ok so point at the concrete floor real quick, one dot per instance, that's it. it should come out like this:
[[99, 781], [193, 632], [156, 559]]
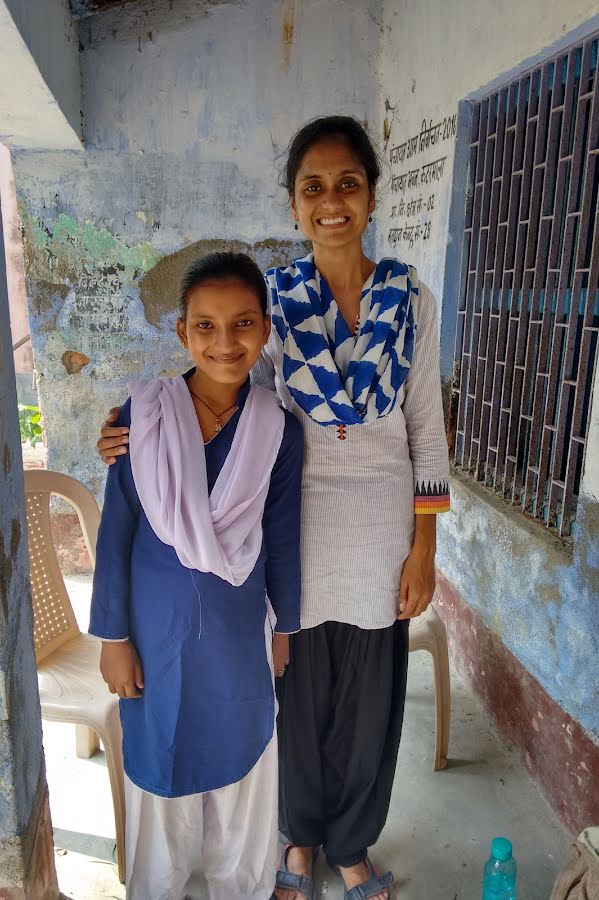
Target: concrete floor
[[437, 835]]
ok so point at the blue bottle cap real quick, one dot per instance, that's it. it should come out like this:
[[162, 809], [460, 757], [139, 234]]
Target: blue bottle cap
[[501, 849]]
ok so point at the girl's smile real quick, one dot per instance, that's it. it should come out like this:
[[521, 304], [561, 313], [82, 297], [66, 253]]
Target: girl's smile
[[224, 331]]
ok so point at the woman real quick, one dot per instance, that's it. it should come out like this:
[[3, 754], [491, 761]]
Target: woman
[[354, 354]]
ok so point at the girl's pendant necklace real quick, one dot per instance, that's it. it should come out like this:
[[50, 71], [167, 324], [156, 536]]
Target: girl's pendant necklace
[[218, 416]]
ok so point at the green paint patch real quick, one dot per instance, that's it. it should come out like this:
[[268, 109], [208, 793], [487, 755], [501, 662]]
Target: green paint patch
[[65, 227], [65, 250]]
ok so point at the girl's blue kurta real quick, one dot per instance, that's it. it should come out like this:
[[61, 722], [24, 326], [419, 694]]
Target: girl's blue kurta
[[207, 710]]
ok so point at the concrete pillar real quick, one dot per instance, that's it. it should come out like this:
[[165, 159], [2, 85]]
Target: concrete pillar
[[27, 870]]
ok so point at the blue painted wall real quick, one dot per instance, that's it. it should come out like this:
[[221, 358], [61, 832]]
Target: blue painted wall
[[187, 108]]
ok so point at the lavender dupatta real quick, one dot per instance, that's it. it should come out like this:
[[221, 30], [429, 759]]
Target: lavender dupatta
[[221, 532]]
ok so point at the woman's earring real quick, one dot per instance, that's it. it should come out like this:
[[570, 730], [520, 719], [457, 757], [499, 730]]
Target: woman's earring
[[370, 218], [296, 226]]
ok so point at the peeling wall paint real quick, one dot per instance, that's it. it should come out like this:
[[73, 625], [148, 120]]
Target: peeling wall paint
[[541, 599], [183, 126], [103, 313]]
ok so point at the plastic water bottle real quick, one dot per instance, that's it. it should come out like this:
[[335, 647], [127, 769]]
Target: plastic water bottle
[[499, 878]]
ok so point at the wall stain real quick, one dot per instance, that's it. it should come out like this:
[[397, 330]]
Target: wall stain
[[7, 562], [6, 459], [159, 287], [288, 33], [44, 296], [549, 593], [552, 635]]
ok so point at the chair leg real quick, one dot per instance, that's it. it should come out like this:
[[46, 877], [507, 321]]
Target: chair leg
[[112, 740], [442, 694], [86, 742]]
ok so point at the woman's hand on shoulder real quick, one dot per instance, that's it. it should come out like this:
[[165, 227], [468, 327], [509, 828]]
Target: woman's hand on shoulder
[[114, 440]]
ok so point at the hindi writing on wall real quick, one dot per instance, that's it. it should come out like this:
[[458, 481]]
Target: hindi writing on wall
[[415, 186]]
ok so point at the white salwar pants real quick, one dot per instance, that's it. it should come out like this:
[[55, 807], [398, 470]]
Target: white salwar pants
[[230, 834]]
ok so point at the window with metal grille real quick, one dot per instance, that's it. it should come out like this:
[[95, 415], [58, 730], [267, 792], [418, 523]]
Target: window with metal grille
[[528, 312]]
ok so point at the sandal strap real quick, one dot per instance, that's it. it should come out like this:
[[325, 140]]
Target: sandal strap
[[302, 883], [286, 879], [370, 888]]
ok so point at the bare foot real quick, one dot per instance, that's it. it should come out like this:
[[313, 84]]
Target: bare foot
[[358, 874], [299, 862]]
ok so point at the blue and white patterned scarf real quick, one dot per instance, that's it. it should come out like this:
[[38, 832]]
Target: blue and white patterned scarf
[[336, 377]]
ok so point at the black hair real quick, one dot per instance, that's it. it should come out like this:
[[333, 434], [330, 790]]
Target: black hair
[[222, 266], [345, 127]]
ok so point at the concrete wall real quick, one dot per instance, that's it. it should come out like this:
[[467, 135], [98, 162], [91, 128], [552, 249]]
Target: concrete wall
[[40, 80], [186, 107], [539, 598], [26, 853]]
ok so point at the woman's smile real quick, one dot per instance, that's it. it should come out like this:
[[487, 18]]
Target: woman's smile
[[333, 221]]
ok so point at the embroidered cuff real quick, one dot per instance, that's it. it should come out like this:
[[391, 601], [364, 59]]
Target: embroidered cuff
[[431, 497]]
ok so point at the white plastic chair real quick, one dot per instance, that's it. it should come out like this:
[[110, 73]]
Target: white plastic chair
[[427, 632], [68, 662]]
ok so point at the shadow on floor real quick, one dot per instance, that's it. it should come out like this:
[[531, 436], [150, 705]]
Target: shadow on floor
[[86, 844]]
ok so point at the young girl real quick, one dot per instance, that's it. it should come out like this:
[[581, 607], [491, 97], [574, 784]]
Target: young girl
[[200, 522], [355, 356]]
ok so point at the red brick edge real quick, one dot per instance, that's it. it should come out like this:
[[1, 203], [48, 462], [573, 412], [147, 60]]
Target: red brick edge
[[560, 756]]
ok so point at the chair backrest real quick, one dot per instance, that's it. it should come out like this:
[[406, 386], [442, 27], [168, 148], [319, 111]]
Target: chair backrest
[[54, 622]]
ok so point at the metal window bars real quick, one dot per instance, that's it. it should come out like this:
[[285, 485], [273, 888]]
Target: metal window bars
[[528, 315]]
